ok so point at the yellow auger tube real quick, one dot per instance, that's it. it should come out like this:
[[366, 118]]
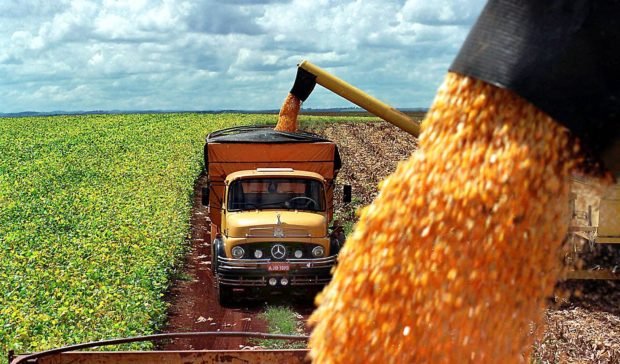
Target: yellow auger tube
[[362, 99]]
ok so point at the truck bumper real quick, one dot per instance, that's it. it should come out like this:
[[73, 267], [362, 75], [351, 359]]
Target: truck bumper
[[256, 273]]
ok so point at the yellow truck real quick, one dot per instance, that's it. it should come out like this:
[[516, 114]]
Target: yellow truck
[[270, 201]]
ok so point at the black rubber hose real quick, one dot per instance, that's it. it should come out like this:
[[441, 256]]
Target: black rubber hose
[[95, 344]]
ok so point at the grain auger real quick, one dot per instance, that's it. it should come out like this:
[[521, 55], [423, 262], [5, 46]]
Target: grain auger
[[308, 75]]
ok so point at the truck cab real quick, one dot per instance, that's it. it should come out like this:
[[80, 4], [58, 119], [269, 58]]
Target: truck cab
[[270, 199]]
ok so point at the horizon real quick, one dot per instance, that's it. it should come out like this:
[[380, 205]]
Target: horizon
[[343, 110]]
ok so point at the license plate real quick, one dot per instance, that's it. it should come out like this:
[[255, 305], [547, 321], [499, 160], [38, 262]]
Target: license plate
[[278, 267]]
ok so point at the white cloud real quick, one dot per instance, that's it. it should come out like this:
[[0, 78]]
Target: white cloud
[[450, 12], [96, 59], [211, 54]]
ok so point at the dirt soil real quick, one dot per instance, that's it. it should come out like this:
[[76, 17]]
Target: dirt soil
[[582, 329]]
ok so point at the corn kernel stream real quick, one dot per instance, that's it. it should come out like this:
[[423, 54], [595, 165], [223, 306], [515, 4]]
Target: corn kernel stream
[[454, 259], [287, 120]]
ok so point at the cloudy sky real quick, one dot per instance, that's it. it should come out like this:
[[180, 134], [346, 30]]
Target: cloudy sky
[[211, 55]]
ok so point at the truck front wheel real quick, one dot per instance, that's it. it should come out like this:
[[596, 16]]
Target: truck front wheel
[[224, 295]]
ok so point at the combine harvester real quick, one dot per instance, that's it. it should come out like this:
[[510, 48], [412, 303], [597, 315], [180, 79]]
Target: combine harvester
[[259, 247]]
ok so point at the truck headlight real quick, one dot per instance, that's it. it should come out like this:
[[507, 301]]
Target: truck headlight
[[238, 252], [298, 254], [258, 254], [318, 251]]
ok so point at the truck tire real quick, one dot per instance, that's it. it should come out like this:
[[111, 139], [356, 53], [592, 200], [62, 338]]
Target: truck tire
[[215, 249], [224, 295], [334, 245]]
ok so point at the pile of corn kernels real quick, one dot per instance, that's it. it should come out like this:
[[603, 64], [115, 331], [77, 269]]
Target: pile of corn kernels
[[454, 260]]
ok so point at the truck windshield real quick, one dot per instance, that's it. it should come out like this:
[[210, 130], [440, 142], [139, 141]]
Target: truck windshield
[[276, 193]]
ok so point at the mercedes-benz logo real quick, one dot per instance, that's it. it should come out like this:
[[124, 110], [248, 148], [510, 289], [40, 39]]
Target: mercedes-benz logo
[[278, 251]]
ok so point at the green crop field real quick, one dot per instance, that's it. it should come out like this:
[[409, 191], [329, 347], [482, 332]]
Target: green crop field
[[94, 217]]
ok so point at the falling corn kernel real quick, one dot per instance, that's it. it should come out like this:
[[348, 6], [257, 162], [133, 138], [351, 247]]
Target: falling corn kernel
[[477, 255], [287, 119]]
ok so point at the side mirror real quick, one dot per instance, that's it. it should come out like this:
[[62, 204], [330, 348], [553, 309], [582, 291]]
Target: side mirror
[[205, 196], [346, 194]]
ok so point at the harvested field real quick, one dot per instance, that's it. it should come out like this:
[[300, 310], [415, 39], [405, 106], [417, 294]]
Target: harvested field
[[369, 151], [585, 328]]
